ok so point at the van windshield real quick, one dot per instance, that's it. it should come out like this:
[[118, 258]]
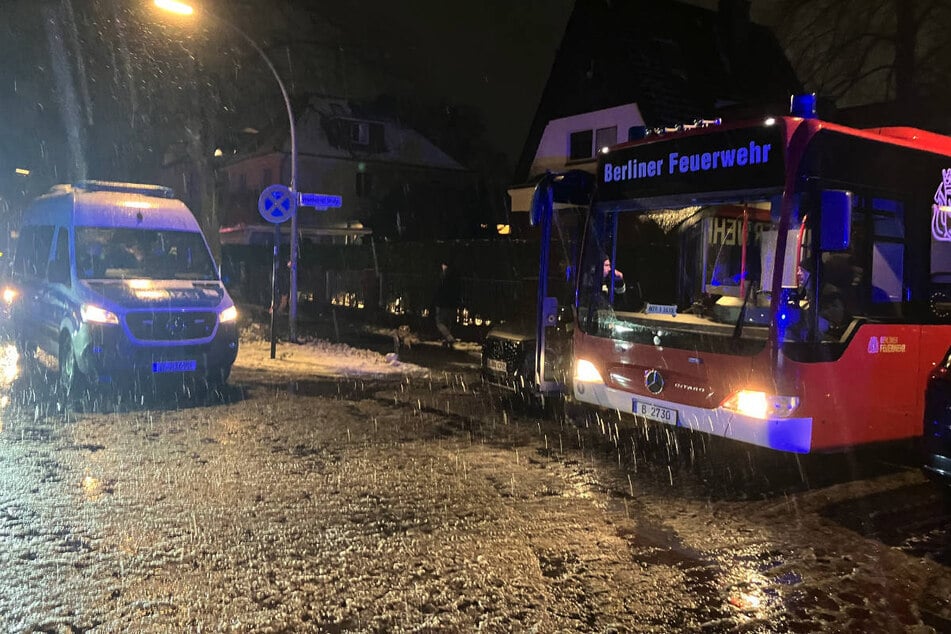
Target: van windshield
[[122, 253]]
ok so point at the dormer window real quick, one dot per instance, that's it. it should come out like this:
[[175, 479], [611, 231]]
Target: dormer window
[[360, 133], [585, 144], [605, 137], [580, 144], [355, 135]]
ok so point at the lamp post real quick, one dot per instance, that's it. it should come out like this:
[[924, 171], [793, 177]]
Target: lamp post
[[181, 8]]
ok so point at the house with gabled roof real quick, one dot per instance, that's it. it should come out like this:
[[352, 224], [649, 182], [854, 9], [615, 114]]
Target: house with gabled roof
[[643, 63], [392, 179]]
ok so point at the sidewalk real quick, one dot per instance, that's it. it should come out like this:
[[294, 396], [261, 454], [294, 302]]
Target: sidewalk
[[346, 348]]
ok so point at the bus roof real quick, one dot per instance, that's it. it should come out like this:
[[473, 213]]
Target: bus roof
[[906, 136]]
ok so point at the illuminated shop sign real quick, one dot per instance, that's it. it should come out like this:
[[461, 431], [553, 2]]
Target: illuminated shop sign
[[738, 159]]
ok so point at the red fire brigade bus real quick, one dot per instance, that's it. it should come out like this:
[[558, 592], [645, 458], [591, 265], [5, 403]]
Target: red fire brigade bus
[[784, 282]]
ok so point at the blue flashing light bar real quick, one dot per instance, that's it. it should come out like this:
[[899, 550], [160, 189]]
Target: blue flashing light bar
[[803, 106]]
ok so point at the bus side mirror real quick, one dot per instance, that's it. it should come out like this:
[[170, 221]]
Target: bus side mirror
[[836, 216], [541, 201], [573, 187]]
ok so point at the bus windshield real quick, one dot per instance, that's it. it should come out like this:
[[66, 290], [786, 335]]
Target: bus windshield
[[705, 268]]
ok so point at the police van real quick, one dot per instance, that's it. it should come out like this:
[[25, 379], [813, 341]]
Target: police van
[[116, 281]]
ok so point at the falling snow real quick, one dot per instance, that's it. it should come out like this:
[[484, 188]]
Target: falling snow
[[336, 490]]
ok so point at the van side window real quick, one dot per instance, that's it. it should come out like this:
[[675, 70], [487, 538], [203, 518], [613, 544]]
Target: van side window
[[59, 265], [33, 251]]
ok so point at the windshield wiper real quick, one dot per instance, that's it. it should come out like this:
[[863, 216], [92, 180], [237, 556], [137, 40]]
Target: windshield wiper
[[738, 328]]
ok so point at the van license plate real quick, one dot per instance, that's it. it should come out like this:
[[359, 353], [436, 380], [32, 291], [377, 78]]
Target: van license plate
[[655, 412], [496, 365], [174, 366]]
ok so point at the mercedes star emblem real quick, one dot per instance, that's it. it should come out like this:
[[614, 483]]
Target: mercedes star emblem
[[654, 382]]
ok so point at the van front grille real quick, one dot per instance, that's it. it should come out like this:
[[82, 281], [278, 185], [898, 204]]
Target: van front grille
[[171, 325]]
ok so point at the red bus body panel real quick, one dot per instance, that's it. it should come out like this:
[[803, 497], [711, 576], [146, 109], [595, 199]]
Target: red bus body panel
[[872, 393]]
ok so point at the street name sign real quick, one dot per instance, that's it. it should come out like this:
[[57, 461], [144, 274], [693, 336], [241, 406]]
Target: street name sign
[[320, 201]]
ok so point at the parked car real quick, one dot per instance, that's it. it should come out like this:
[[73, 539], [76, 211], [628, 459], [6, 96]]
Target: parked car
[[508, 355], [937, 423], [116, 281]]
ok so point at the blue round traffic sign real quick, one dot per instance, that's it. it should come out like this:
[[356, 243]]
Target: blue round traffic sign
[[277, 203]]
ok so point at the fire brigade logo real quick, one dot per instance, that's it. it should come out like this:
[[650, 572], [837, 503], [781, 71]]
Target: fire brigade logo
[[941, 211], [654, 382]]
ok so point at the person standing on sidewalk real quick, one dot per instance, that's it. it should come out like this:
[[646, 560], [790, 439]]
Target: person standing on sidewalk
[[445, 302]]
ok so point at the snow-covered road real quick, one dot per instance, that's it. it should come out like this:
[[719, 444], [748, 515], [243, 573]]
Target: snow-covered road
[[396, 498]]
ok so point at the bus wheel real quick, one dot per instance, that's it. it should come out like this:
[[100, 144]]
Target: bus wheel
[[576, 414], [71, 379]]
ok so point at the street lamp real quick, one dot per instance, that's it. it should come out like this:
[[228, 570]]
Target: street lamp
[[181, 8]]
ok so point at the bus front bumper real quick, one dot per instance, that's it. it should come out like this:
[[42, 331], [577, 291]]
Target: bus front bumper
[[782, 434]]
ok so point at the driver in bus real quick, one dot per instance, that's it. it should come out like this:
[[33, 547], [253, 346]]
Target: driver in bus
[[833, 315], [617, 281]]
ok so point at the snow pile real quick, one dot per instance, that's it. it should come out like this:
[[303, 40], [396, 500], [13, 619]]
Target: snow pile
[[320, 358]]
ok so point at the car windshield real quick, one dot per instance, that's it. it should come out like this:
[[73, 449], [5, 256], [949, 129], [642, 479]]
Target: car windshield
[[120, 253]]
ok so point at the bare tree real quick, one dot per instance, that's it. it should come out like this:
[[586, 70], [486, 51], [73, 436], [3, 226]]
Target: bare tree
[[869, 51]]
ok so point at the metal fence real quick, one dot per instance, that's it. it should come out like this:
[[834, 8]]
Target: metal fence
[[397, 281]]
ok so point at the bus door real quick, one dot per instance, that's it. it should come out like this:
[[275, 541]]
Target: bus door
[[559, 207]]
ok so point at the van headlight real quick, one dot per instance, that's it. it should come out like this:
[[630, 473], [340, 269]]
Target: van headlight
[[93, 314], [10, 295], [228, 314]]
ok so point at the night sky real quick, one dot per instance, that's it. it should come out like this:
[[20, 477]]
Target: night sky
[[493, 54]]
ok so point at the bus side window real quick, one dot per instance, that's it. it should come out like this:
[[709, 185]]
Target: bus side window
[[887, 272], [887, 255]]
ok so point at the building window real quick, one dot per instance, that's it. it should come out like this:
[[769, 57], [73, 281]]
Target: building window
[[360, 133], [579, 145], [364, 184], [605, 137]]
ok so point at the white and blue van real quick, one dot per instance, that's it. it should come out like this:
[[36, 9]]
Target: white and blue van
[[116, 281]]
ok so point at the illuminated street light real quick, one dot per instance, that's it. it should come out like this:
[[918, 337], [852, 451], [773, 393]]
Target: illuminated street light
[[22, 171], [181, 8]]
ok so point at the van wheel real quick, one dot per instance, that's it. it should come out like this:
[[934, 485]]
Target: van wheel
[[71, 379], [26, 349], [217, 376]]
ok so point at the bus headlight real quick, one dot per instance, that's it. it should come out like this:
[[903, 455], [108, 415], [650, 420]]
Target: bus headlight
[[97, 315], [586, 372], [760, 404], [228, 314]]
